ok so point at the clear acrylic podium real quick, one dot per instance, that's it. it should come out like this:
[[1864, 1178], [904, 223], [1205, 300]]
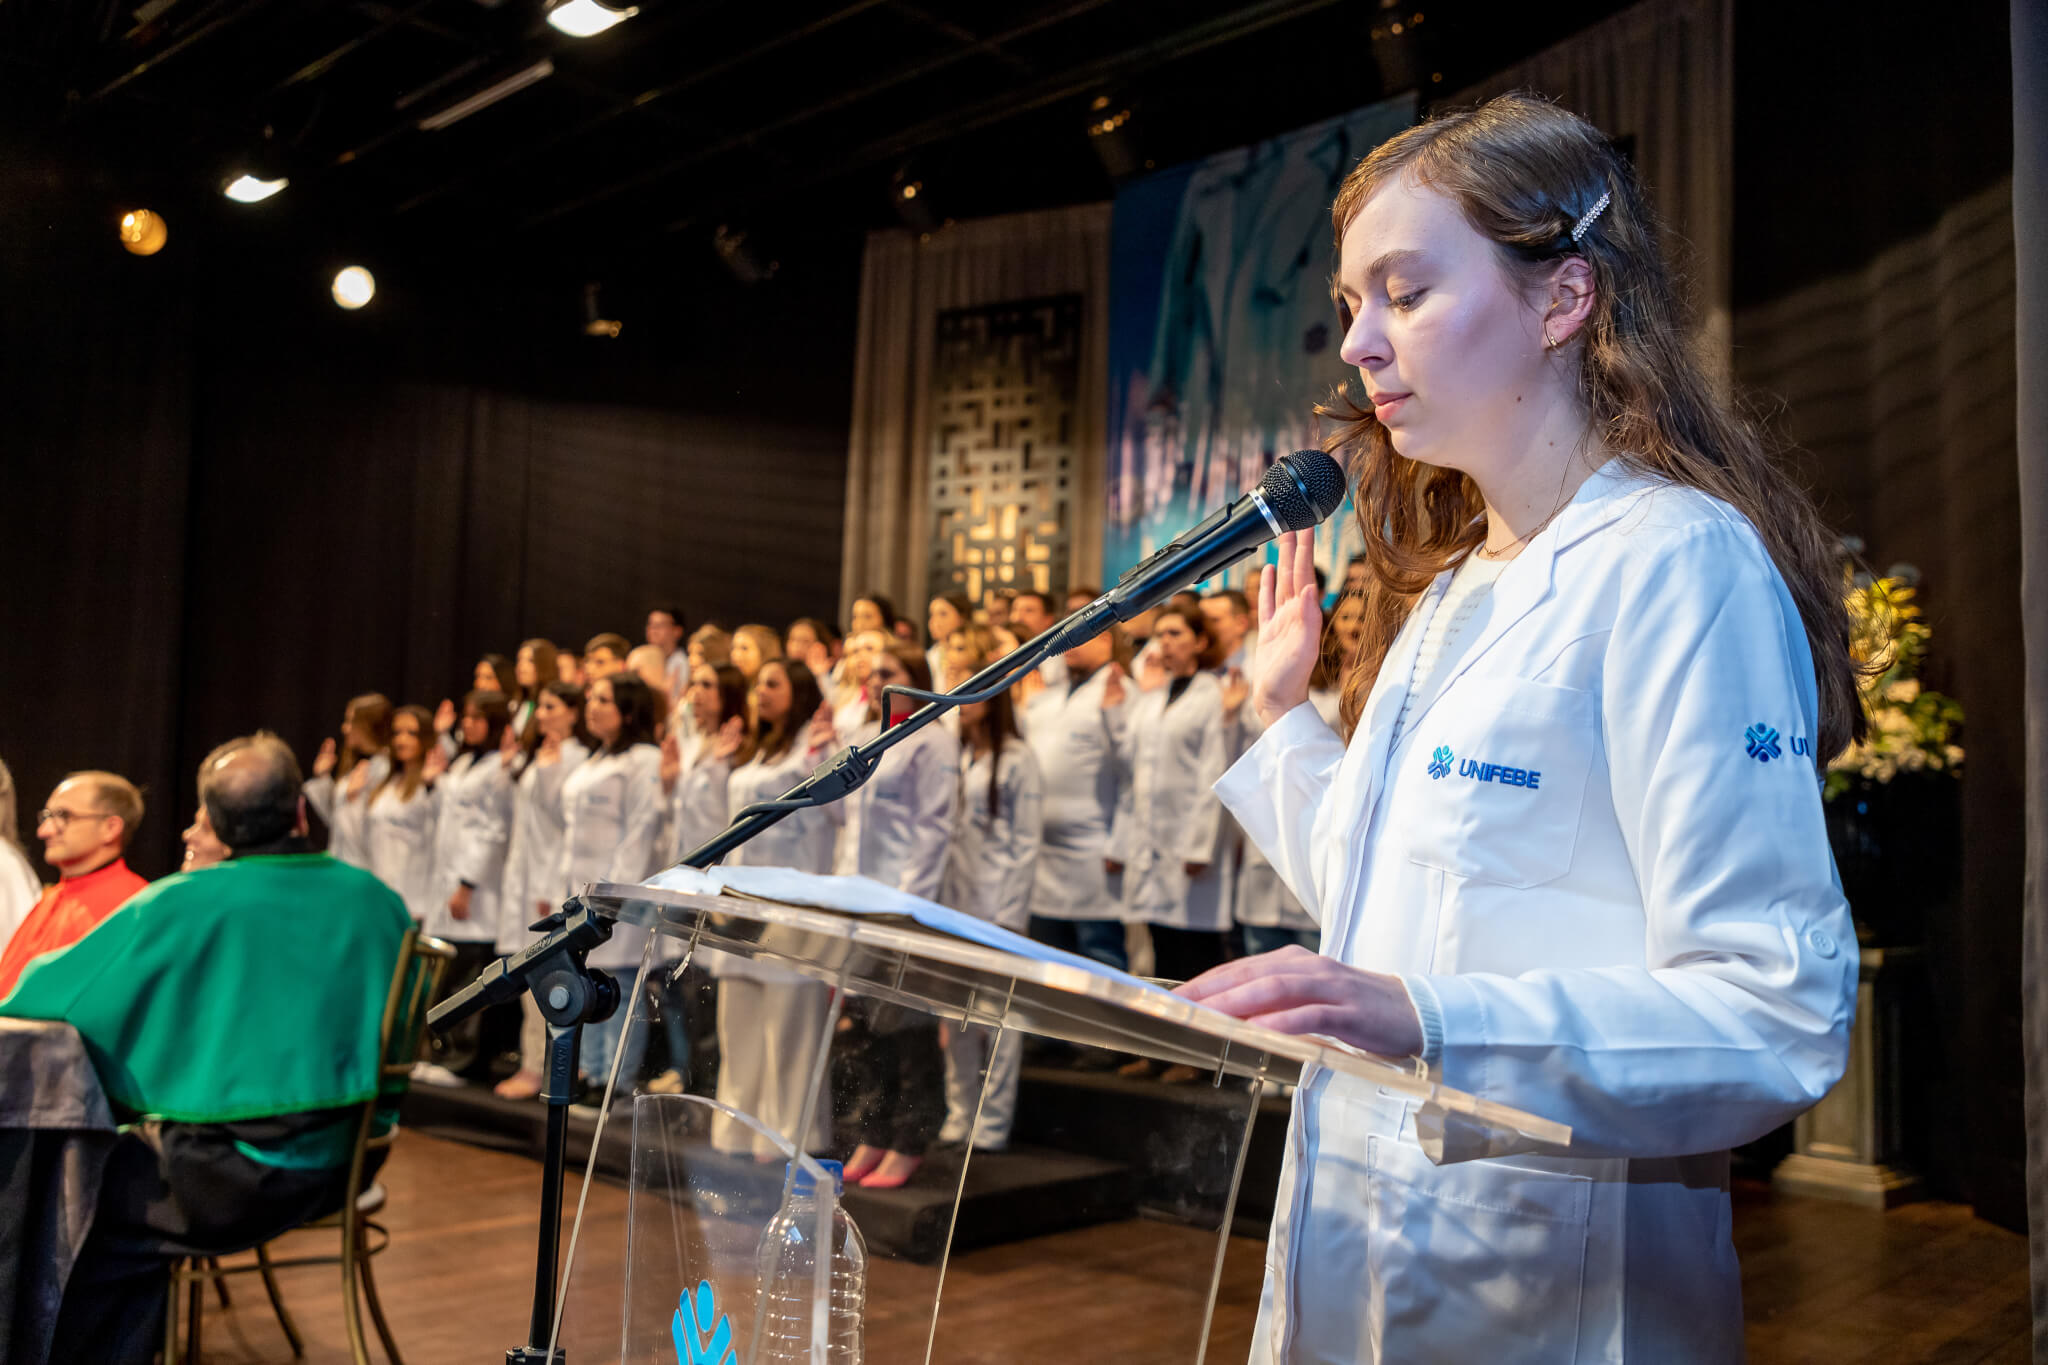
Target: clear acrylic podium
[[1101, 1231]]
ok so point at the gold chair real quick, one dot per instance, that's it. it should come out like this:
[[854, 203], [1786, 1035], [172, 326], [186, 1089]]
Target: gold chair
[[422, 962]]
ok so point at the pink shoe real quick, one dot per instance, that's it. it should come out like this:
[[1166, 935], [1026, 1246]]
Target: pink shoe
[[894, 1172], [863, 1160]]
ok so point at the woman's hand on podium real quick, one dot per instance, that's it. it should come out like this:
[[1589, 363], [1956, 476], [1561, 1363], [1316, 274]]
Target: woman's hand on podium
[[1297, 991], [1290, 628]]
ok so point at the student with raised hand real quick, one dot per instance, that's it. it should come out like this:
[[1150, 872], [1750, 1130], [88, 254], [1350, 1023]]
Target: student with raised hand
[[1173, 744], [1073, 905], [611, 824], [538, 768], [897, 826], [771, 1020], [1567, 845], [752, 646], [472, 828], [990, 865], [344, 775], [398, 823]]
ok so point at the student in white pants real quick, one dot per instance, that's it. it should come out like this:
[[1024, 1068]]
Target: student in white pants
[[771, 1021], [989, 869]]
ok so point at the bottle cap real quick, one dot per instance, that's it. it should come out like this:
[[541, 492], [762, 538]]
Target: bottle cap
[[801, 1181]]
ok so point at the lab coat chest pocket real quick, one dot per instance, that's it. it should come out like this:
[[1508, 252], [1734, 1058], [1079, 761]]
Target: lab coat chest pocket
[[1494, 786], [1454, 1251]]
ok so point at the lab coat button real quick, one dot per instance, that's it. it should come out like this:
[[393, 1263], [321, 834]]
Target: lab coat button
[[1822, 943]]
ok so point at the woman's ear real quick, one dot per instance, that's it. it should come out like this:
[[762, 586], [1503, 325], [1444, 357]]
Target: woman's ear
[[1571, 301]]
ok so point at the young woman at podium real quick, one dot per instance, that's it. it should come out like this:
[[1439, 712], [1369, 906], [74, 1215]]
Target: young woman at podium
[[1566, 845]]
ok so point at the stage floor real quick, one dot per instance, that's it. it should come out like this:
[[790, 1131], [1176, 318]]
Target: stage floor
[[1821, 1282]]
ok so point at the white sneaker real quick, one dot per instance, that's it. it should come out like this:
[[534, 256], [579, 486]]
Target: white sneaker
[[433, 1073]]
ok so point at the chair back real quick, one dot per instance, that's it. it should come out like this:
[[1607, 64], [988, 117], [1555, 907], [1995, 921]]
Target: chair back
[[415, 983]]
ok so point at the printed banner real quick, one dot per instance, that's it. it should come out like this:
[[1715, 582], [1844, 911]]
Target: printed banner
[[1222, 336]]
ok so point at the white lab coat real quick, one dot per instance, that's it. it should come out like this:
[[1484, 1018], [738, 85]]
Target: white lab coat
[[770, 1019], [611, 815], [343, 814], [1070, 736], [1262, 899], [898, 823], [535, 853], [1649, 943], [1171, 757], [20, 889], [472, 826], [994, 856], [398, 837], [699, 807]]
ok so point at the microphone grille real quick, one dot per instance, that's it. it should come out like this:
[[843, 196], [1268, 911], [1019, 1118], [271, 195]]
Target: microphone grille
[[1303, 489]]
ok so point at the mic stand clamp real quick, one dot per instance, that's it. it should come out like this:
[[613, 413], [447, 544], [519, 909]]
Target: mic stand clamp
[[570, 994]]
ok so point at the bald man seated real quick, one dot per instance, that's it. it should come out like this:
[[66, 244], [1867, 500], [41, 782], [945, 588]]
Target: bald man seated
[[232, 1014]]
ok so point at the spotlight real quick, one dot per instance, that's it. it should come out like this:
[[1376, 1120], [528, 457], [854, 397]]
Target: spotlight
[[144, 233], [588, 18], [247, 189], [354, 287], [912, 200]]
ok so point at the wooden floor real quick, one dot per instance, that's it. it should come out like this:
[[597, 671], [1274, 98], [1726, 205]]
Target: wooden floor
[[1822, 1283]]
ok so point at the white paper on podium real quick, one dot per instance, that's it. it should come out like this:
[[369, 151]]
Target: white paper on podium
[[866, 896]]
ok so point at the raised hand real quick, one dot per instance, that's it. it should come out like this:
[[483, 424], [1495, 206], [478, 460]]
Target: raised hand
[[435, 763], [1113, 685], [819, 660], [822, 734], [1235, 690], [324, 761], [1151, 671], [444, 717], [508, 747], [1290, 628], [1025, 688], [729, 736], [671, 762]]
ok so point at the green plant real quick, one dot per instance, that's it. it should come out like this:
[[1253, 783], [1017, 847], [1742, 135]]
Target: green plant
[[1911, 729]]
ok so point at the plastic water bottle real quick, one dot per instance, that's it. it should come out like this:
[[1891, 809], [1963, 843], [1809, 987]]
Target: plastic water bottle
[[788, 1265]]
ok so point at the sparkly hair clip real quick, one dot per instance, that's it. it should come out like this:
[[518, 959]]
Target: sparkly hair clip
[[1579, 228]]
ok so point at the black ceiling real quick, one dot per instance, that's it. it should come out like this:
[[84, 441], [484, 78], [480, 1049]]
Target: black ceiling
[[795, 116]]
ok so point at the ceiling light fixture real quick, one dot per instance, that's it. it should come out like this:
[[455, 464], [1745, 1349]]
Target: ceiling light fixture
[[488, 96], [588, 18], [247, 189], [354, 287], [144, 233]]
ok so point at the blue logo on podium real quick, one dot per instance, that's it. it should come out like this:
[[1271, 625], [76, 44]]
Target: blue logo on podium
[[703, 1334], [1440, 761]]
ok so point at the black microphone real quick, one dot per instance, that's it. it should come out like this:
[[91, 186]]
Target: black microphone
[[1298, 491]]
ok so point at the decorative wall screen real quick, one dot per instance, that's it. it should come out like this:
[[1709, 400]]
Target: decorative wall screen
[[1004, 383]]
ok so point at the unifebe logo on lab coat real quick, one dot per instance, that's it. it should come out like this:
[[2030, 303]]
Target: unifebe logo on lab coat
[[1506, 775]]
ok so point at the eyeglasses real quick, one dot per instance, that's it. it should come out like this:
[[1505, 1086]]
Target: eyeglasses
[[60, 817]]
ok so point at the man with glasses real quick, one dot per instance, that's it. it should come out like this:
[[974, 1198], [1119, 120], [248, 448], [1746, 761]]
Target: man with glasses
[[85, 827]]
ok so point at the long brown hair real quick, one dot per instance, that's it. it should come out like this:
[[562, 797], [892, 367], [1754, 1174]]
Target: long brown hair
[[371, 711], [999, 715], [409, 776], [1522, 171], [771, 742]]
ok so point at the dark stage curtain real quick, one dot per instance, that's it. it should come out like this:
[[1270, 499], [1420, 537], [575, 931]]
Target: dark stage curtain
[[2030, 232], [1877, 305], [234, 506]]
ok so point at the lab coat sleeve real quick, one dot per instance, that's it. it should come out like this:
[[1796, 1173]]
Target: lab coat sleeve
[[936, 797], [489, 828], [1275, 790], [1198, 841], [1738, 1017], [320, 796]]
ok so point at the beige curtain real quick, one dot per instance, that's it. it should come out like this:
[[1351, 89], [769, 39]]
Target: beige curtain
[[906, 281], [1660, 72]]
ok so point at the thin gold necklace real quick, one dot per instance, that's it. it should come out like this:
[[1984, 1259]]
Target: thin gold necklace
[[1562, 502]]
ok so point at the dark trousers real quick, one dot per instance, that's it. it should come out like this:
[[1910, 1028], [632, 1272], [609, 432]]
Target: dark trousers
[[469, 1048], [1267, 938], [1184, 954], [1101, 939], [893, 1076], [169, 1191]]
